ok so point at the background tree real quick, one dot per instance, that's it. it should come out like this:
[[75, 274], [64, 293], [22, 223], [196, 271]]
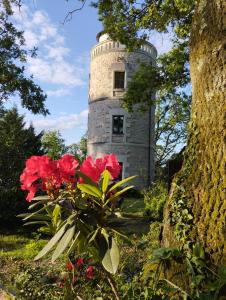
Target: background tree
[[200, 184], [17, 144], [13, 55], [79, 150], [53, 144]]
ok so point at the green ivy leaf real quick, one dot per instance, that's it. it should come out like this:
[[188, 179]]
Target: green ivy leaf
[[198, 251]]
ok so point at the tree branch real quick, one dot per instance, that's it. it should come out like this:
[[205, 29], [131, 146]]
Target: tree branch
[[68, 17]]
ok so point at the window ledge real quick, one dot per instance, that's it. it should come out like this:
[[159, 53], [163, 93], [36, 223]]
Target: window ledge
[[118, 92]]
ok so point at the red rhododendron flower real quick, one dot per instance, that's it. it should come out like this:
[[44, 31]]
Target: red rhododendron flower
[[69, 266], [51, 173], [93, 169], [80, 262], [90, 272], [67, 165]]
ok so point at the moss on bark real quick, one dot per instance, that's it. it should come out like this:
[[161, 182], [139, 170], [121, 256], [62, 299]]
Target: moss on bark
[[201, 183]]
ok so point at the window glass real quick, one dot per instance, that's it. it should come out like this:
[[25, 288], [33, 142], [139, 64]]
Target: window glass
[[119, 80], [117, 124]]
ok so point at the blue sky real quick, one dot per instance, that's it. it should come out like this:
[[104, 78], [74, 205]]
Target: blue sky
[[61, 67]]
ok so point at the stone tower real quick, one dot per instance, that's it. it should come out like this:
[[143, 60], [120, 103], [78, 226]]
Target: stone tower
[[110, 128]]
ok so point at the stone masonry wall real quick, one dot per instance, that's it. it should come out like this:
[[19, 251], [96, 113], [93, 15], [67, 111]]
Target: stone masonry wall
[[134, 148]]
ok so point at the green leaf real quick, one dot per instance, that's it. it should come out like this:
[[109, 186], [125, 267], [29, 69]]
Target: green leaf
[[41, 198], [52, 242], [106, 179], [36, 204], [86, 178], [119, 193], [122, 182], [90, 189], [93, 235], [111, 256], [35, 222], [56, 214], [198, 251], [74, 242], [64, 242], [29, 215], [35, 216]]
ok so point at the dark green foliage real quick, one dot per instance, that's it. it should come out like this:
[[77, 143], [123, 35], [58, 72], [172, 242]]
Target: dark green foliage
[[13, 55], [79, 150], [17, 144], [206, 281], [36, 282], [154, 199], [128, 20], [53, 144]]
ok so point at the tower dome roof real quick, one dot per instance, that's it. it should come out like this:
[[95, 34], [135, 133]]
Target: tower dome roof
[[102, 36]]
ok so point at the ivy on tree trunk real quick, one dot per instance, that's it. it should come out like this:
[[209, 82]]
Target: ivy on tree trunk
[[200, 186]]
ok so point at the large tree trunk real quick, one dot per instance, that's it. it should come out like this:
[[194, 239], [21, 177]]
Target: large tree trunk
[[201, 183]]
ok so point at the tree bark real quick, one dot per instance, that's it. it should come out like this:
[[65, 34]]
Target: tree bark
[[201, 183]]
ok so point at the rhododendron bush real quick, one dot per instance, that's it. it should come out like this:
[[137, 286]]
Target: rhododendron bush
[[80, 202]]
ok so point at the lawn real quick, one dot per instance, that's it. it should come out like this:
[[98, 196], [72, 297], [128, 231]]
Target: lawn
[[133, 205], [19, 247]]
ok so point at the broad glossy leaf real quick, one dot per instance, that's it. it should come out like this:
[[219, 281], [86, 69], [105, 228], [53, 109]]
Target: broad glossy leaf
[[52, 242], [56, 214], [122, 182], [90, 189], [64, 242], [119, 193], [110, 259], [105, 181]]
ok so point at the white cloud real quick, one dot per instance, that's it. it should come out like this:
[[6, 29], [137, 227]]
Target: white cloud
[[31, 38], [54, 72], [59, 92], [52, 64], [63, 123]]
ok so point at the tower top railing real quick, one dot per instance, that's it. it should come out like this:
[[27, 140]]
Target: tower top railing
[[105, 44]]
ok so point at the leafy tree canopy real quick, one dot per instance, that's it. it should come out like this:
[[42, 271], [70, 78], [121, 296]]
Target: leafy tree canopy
[[17, 144], [13, 55], [79, 150], [53, 144]]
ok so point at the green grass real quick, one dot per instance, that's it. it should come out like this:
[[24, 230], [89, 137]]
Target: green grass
[[133, 205], [134, 220], [17, 251], [19, 246]]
